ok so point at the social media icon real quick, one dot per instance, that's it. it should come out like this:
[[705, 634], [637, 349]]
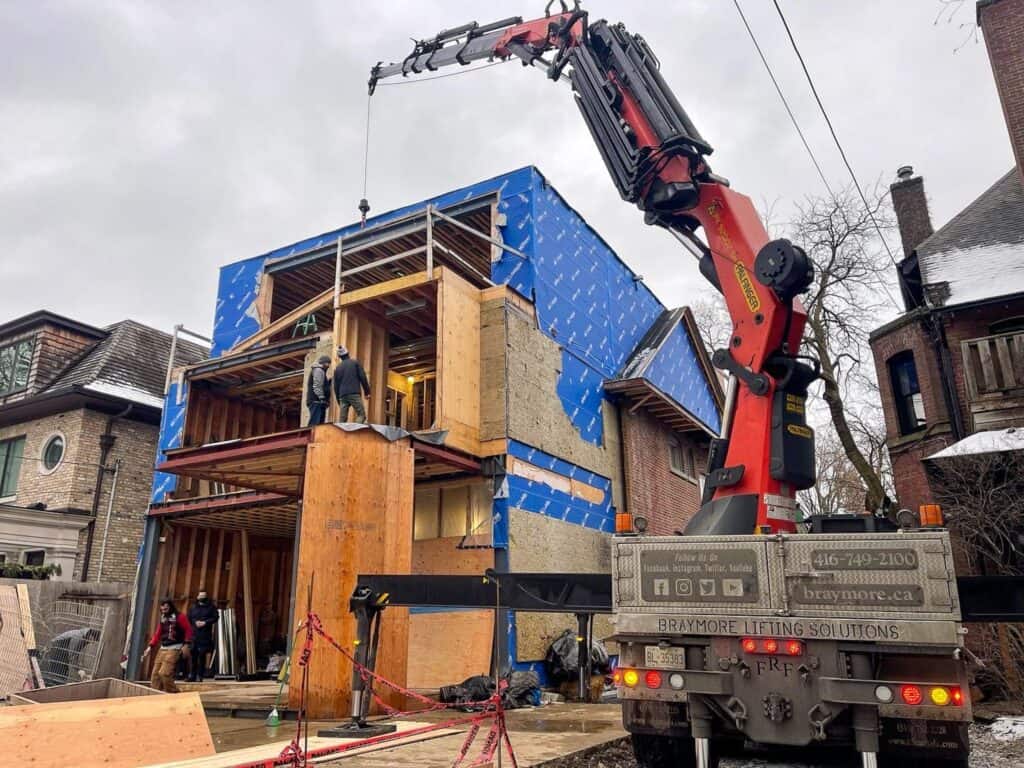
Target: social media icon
[[684, 587], [732, 587], [661, 588], [707, 587]]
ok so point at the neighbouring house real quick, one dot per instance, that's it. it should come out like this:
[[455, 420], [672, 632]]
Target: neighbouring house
[[952, 365], [526, 388], [79, 412]]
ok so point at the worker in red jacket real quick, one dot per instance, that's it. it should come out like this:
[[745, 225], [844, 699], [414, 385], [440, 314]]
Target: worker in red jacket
[[173, 634]]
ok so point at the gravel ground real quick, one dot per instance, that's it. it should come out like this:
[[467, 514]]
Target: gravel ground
[[986, 752]]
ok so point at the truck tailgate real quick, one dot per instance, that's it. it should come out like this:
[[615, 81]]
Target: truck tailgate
[[890, 588]]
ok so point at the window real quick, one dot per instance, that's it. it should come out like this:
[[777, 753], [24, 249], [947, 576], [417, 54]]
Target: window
[[681, 459], [906, 392], [453, 510], [11, 452], [15, 363], [35, 556], [53, 454]]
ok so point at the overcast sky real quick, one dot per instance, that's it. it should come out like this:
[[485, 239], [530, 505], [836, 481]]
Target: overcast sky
[[143, 145]]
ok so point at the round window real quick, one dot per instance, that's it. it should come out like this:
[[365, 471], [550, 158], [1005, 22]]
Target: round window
[[53, 452]]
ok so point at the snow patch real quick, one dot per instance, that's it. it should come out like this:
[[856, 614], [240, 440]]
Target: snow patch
[[126, 392], [989, 441], [974, 274], [1008, 729]]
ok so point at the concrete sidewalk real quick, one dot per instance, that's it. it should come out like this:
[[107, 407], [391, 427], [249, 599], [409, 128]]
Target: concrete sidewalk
[[538, 736]]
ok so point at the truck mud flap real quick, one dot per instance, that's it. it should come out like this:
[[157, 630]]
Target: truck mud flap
[[657, 718], [924, 739]]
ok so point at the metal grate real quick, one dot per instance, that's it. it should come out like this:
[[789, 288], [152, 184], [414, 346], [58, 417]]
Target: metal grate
[[71, 641]]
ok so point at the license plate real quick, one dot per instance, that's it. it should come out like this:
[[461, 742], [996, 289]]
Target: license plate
[[664, 658]]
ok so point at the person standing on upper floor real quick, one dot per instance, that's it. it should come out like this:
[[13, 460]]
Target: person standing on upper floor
[[350, 385], [203, 615], [318, 391]]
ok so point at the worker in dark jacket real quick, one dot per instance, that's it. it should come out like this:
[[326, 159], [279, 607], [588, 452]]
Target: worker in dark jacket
[[318, 391], [173, 633], [350, 384], [203, 616]]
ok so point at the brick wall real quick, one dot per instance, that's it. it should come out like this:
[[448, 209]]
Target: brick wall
[[135, 447], [70, 486], [900, 336], [1002, 23], [911, 206], [653, 490]]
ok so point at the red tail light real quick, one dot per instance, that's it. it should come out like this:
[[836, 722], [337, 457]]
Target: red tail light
[[794, 648], [652, 679], [771, 645], [617, 676], [958, 696], [911, 695], [749, 645]]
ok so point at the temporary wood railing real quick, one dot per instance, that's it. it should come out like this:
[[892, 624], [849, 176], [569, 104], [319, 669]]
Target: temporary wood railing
[[994, 375]]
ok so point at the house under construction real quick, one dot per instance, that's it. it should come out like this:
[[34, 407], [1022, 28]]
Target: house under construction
[[541, 386]]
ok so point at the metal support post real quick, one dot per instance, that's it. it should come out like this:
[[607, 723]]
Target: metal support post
[[584, 662], [143, 596], [430, 241], [865, 717]]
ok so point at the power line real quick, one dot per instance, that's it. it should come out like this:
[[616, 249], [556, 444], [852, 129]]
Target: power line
[[832, 130], [785, 103]]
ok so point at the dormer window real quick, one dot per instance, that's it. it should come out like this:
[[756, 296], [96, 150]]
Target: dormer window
[[15, 364]]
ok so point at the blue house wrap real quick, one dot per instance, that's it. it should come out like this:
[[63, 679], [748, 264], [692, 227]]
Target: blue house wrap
[[608, 323]]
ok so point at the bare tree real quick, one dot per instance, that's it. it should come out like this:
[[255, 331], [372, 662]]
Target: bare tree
[[848, 296], [713, 322], [982, 496]]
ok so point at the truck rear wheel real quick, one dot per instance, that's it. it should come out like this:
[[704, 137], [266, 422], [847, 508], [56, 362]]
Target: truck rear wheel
[[668, 752]]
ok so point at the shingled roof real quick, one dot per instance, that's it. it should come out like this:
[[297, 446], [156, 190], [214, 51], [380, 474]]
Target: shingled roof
[[130, 363], [979, 255]]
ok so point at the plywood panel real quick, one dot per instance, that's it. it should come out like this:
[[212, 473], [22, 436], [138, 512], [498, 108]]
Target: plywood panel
[[442, 556], [112, 733], [367, 342], [447, 647], [458, 362], [356, 518]]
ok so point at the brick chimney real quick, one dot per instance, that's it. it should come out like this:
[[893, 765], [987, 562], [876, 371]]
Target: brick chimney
[[911, 208], [1002, 24]]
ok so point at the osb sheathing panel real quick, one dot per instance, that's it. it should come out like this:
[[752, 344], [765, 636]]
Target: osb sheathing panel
[[493, 348], [356, 518], [447, 647], [458, 362], [535, 413], [539, 544]]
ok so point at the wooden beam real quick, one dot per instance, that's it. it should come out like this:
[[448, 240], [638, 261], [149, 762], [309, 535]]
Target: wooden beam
[[25, 607], [207, 533], [191, 557], [250, 621], [218, 565], [286, 321], [390, 286]]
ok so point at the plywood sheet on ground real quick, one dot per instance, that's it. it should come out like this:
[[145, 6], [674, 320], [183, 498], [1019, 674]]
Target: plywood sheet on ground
[[265, 751], [446, 647], [113, 733], [356, 518]]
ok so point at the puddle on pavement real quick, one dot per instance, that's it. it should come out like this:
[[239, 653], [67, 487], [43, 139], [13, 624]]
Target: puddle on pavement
[[560, 726]]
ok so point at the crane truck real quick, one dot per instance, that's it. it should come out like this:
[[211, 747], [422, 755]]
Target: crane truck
[[741, 627]]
